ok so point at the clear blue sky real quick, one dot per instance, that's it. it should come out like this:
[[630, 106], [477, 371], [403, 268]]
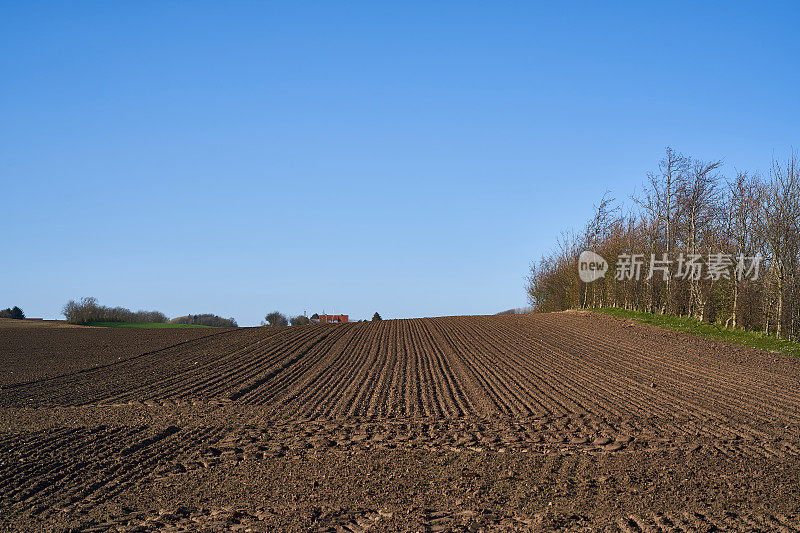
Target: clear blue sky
[[411, 159]]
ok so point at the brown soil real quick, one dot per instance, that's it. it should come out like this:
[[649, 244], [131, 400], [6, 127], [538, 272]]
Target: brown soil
[[30, 352], [15, 324], [560, 421]]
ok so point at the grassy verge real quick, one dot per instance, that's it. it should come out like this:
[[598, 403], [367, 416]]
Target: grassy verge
[[145, 325], [754, 339]]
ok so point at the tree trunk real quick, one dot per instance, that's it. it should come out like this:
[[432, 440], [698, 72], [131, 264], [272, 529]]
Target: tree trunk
[[779, 318]]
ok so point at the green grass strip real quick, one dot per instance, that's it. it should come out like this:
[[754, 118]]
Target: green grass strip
[[143, 325], [754, 339]]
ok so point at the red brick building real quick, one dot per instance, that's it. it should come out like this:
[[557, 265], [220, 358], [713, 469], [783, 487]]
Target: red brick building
[[333, 319]]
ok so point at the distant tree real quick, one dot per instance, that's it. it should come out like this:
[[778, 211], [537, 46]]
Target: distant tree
[[5, 313], [276, 318], [315, 316], [376, 317], [300, 320], [82, 312], [16, 313]]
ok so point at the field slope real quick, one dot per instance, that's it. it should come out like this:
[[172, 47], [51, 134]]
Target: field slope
[[565, 421]]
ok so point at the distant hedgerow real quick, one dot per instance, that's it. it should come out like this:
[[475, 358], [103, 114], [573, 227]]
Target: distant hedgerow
[[87, 310], [206, 319]]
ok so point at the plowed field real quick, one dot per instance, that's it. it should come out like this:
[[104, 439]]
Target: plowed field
[[551, 421]]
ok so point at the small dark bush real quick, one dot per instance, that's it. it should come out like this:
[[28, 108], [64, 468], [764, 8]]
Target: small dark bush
[[12, 312]]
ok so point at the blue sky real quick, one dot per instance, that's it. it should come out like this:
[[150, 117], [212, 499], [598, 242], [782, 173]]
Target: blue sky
[[409, 158]]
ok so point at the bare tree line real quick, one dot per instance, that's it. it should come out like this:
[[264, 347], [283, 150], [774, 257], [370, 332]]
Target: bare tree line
[[688, 214], [89, 311]]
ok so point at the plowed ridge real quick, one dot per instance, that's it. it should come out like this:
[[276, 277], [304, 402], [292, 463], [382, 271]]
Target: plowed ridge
[[449, 367]]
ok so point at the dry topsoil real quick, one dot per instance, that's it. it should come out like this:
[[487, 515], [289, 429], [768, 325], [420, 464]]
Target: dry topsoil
[[567, 421]]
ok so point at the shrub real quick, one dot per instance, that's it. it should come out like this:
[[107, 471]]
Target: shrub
[[300, 320]]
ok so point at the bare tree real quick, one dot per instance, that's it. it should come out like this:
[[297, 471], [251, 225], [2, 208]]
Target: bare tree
[[660, 201], [779, 227], [596, 233], [744, 197], [699, 200]]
